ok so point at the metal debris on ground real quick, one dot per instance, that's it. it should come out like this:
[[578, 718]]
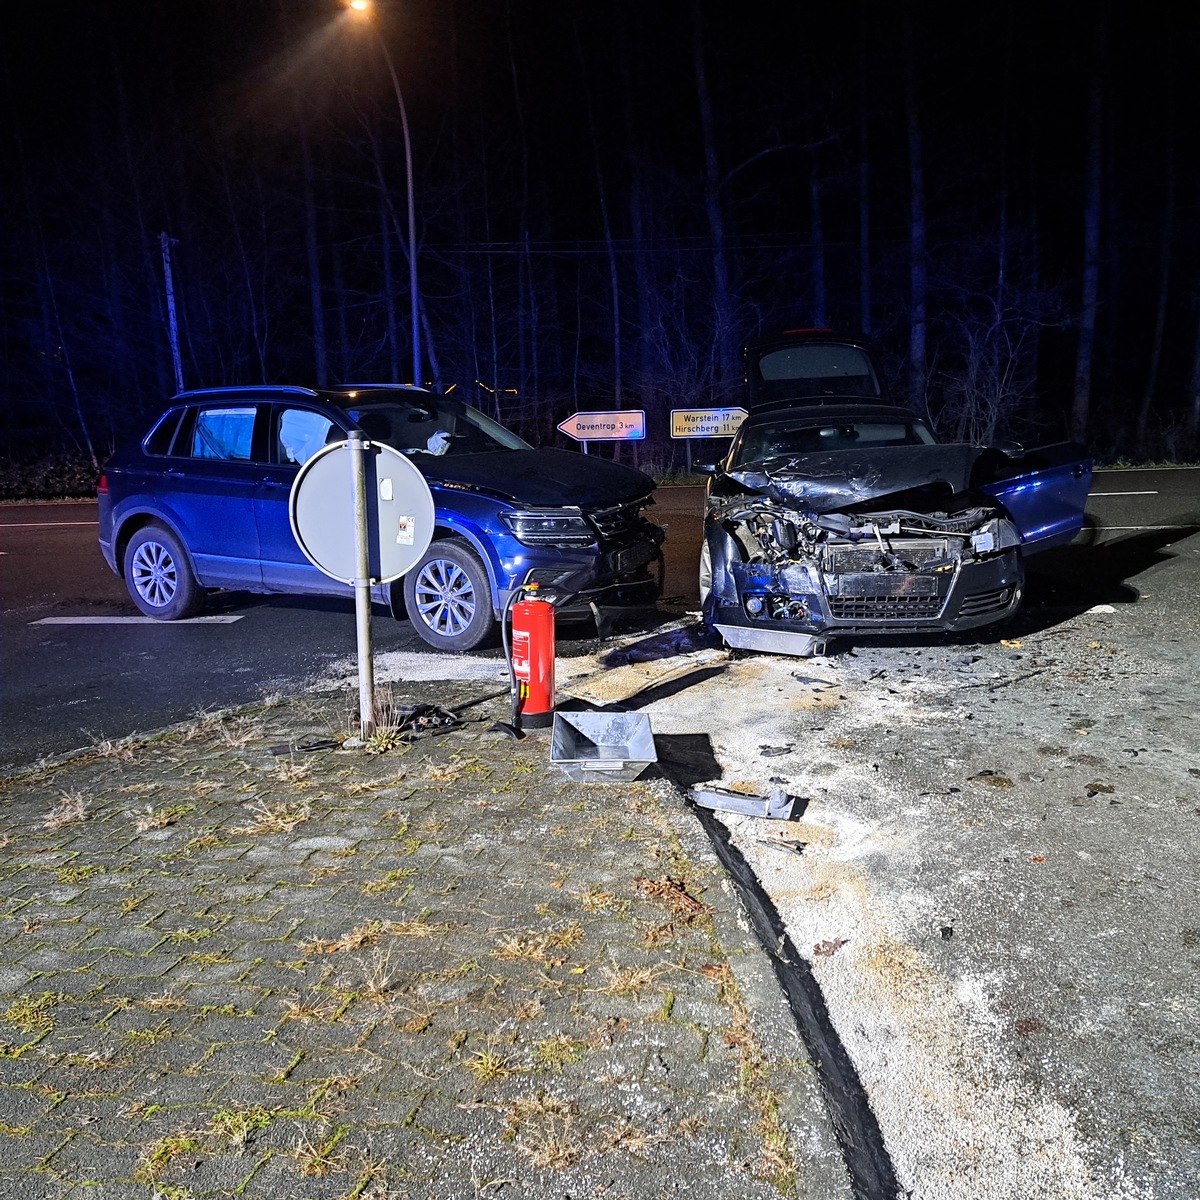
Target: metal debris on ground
[[425, 718], [306, 746], [601, 747], [775, 751], [791, 845], [776, 804]]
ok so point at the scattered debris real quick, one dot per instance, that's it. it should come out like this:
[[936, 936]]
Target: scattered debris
[[307, 746], [995, 682], [791, 845], [776, 751], [426, 718], [829, 948], [777, 803], [673, 893]]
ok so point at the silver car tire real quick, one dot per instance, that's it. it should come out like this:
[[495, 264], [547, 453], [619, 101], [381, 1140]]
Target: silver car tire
[[159, 577], [448, 597]]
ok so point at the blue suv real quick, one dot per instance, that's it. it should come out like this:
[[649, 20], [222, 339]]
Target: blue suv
[[201, 502]]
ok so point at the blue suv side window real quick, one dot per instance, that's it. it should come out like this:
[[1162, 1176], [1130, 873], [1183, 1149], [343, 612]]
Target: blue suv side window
[[223, 433], [301, 434]]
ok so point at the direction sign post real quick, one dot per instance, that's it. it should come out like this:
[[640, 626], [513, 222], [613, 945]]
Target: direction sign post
[[706, 422], [386, 493], [628, 425], [691, 423]]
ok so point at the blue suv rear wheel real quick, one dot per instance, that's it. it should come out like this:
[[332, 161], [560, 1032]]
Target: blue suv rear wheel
[[159, 576]]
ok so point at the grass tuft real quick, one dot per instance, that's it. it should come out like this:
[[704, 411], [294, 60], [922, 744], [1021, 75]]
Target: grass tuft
[[159, 818], [71, 808], [275, 818], [543, 1129]]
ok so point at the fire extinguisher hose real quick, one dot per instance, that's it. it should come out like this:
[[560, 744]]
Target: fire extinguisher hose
[[506, 639]]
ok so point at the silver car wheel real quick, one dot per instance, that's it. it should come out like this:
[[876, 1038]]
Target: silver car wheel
[[445, 597], [154, 574]]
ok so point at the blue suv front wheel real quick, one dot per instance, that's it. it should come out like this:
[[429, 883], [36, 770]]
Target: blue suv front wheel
[[449, 598]]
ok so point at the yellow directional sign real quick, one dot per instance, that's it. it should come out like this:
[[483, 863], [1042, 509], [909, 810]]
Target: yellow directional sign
[[706, 422]]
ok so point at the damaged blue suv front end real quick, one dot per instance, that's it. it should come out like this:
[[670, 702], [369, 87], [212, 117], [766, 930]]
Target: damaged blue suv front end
[[833, 516]]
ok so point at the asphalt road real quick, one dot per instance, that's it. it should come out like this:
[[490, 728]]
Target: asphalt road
[[66, 685]]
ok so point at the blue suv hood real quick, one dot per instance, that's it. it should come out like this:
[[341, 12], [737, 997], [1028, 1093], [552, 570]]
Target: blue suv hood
[[540, 477]]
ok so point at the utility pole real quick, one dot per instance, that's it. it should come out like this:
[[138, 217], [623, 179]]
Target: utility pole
[[172, 319]]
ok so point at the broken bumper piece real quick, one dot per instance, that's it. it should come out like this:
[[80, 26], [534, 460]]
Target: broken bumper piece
[[772, 641], [776, 804]]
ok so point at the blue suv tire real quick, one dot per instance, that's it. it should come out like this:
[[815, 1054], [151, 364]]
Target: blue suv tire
[[159, 575], [448, 597]]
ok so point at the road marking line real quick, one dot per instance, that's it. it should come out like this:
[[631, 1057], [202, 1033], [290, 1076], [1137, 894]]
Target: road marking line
[[1122, 493], [1102, 528], [1144, 470], [43, 524], [225, 620]]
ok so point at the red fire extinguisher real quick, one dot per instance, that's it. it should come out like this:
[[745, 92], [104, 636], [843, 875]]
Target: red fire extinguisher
[[533, 660]]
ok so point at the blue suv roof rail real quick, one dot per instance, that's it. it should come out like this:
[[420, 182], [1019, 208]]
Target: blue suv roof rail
[[394, 387], [273, 388]]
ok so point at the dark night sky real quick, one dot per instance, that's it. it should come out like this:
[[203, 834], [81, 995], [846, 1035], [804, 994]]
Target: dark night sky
[[533, 120]]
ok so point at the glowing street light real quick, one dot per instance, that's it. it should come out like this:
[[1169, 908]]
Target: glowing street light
[[363, 8]]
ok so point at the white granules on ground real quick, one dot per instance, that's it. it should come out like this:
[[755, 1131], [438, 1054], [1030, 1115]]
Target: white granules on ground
[[959, 1123]]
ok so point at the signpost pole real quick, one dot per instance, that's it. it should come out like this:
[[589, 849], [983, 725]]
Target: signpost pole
[[357, 442], [584, 445]]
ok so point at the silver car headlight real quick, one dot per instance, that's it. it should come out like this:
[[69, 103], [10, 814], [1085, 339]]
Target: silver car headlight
[[549, 527]]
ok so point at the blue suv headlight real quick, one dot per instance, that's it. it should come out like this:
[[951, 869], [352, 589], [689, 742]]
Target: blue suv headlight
[[549, 526]]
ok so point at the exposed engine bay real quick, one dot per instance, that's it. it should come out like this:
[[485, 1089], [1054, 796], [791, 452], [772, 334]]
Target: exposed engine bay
[[846, 543], [892, 553]]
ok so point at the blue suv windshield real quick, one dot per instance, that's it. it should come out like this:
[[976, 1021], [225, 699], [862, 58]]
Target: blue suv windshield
[[433, 425]]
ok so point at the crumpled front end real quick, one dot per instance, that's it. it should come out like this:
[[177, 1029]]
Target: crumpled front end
[[784, 579]]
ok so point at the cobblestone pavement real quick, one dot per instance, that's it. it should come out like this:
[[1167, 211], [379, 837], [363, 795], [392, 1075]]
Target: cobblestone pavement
[[435, 969]]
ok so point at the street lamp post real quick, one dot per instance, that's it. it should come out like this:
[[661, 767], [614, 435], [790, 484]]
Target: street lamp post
[[363, 7]]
